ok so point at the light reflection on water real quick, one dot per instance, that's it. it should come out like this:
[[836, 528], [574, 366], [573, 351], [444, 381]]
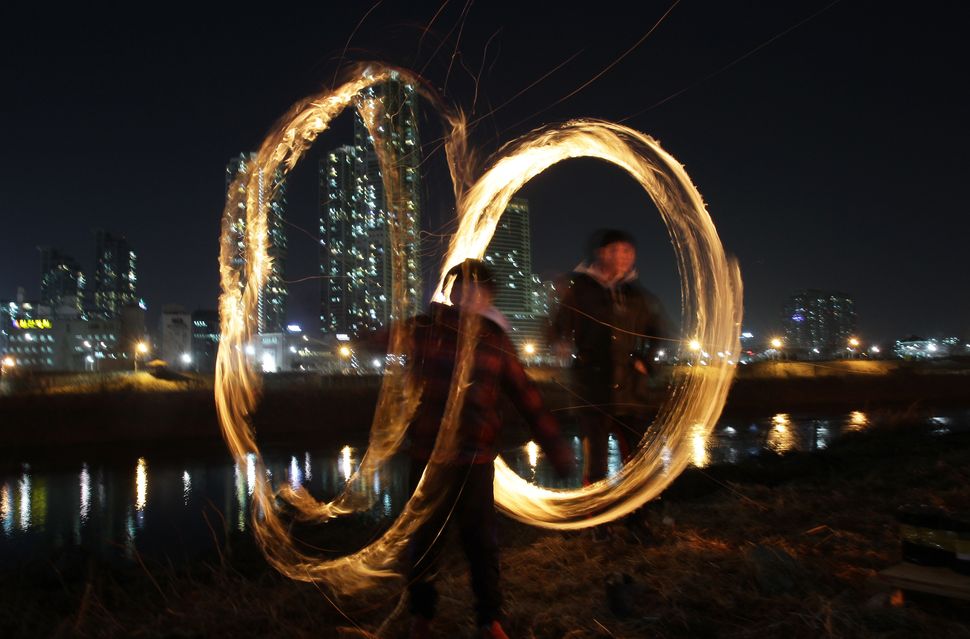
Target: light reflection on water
[[25, 502], [6, 509], [85, 512], [699, 456], [141, 484], [95, 506]]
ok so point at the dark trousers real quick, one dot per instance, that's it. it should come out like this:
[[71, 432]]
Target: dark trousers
[[469, 505], [596, 428]]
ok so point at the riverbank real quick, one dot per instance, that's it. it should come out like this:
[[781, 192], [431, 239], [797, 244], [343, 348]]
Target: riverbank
[[784, 546], [123, 409]]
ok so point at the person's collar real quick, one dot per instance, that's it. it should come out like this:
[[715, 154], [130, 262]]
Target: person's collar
[[596, 272], [490, 313]]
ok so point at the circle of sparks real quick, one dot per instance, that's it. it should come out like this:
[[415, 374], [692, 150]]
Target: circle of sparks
[[711, 312], [710, 287]]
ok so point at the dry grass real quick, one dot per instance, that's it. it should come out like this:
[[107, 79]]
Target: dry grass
[[786, 547]]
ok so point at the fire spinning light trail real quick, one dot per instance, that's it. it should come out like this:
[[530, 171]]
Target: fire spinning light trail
[[711, 312], [711, 290]]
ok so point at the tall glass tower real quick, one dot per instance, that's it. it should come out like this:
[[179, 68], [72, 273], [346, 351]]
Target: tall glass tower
[[355, 240], [819, 322], [271, 303], [519, 294], [115, 275], [61, 282]]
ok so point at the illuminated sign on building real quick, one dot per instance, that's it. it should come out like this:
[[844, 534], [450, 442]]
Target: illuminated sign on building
[[33, 324]]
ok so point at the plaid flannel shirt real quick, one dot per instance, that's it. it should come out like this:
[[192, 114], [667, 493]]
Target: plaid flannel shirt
[[496, 369]]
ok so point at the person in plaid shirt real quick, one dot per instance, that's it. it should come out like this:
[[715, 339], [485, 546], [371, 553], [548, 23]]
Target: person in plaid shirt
[[469, 502]]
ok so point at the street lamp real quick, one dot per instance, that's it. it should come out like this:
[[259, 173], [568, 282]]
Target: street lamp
[[141, 348], [9, 362], [345, 352], [853, 342]]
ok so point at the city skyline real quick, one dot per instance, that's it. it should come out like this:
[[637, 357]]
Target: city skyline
[[796, 145]]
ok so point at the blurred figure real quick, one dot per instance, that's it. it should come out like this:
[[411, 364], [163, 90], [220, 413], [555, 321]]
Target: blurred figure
[[469, 500], [616, 328]]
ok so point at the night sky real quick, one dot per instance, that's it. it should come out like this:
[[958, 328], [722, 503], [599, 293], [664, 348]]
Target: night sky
[[834, 156]]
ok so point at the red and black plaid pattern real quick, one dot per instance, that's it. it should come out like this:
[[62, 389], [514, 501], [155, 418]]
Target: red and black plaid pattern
[[496, 369]]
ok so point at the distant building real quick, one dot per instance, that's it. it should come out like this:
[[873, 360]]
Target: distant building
[[341, 236], [519, 294], [205, 340], [61, 282], [509, 255], [271, 302], [918, 348], [38, 340], [356, 261], [175, 330], [29, 335], [132, 332], [818, 324], [115, 275]]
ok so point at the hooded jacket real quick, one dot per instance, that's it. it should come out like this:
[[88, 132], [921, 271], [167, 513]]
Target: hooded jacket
[[613, 324]]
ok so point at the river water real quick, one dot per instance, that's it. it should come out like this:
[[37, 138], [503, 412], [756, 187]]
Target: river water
[[179, 507]]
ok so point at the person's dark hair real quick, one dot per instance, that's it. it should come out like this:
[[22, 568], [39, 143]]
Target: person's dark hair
[[474, 269], [612, 236]]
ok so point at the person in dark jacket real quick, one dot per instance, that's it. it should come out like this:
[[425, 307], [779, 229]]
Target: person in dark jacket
[[616, 328], [468, 502]]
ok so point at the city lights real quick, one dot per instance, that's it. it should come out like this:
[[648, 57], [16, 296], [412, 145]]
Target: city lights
[[529, 348], [345, 352], [854, 342], [694, 345], [776, 343]]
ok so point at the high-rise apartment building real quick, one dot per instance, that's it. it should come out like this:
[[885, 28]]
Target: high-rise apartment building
[[356, 261], [271, 194], [205, 340], [819, 322], [61, 282], [115, 275], [509, 255], [176, 332], [519, 294]]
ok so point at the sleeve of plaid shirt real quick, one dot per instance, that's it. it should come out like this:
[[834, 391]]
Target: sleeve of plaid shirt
[[528, 401]]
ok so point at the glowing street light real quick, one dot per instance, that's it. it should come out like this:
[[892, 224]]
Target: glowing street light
[[186, 358], [694, 345], [854, 342], [776, 343], [141, 348], [9, 362], [529, 348], [345, 352]]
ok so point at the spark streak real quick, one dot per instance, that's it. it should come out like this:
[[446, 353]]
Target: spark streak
[[711, 290]]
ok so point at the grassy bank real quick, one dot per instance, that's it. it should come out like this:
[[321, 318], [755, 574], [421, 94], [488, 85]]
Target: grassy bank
[[780, 547]]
